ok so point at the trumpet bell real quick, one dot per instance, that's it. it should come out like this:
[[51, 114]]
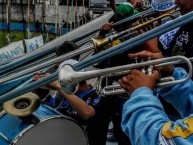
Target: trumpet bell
[[65, 71], [98, 43]]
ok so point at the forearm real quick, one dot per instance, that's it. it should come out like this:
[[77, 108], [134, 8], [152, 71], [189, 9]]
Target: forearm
[[181, 95], [152, 46], [145, 122], [143, 117], [81, 107]]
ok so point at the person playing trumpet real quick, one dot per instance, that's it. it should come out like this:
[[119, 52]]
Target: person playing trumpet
[[174, 42], [144, 119]]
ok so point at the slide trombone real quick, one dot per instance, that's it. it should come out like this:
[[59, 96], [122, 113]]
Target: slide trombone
[[75, 36], [32, 68], [69, 78], [127, 45], [22, 66], [99, 44], [152, 23]]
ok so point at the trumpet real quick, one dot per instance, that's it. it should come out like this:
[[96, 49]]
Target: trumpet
[[115, 88], [133, 31], [69, 78]]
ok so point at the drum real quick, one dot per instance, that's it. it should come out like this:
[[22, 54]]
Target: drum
[[44, 127]]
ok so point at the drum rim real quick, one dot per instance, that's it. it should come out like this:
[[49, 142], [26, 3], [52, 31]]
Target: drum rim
[[59, 115], [18, 136]]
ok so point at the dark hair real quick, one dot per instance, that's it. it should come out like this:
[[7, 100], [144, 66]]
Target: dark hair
[[66, 47], [82, 83], [115, 18]]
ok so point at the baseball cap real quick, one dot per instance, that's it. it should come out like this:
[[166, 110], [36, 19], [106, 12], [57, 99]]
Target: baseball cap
[[162, 5], [126, 9]]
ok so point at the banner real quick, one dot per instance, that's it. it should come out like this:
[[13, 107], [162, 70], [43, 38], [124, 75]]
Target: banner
[[13, 50], [34, 43], [39, 40]]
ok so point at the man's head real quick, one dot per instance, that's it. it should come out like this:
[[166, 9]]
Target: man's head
[[123, 11], [185, 5], [66, 47], [162, 5]]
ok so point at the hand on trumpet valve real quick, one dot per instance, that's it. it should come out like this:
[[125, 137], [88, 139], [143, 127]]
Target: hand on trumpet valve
[[165, 71], [133, 81]]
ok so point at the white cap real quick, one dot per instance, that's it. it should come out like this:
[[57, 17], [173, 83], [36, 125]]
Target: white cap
[[162, 5]]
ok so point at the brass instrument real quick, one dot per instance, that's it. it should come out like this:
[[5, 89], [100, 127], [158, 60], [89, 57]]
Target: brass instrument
[[70, 78], [115, 88], [133, 31], [21, 66]]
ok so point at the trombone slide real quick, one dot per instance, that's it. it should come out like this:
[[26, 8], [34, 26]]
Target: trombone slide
[[68, 77]]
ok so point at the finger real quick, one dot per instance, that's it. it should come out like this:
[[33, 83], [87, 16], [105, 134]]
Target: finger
[[124, 80], [37, 73], [155, 75], [35, 78], [135, 72], [142, 54], [121, 83], [41, 75]]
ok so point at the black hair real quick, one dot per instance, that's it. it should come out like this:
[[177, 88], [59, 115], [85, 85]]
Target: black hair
[[115, 18], [66, 47], [82, 83]]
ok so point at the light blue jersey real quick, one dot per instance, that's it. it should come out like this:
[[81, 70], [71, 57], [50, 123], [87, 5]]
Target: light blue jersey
[[146, 123]]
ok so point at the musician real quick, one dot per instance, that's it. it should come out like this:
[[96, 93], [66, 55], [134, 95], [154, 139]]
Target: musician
[[64, 48], [162, 43], [144, 119], [115, 102], [175, 42], [85, 106], [182, 41]]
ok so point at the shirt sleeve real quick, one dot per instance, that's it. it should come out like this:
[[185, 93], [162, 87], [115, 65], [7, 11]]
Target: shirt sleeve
[[146, 123], [181, 95]]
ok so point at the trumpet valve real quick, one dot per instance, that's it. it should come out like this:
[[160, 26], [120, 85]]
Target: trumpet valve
[[143, 70], [149, 68]]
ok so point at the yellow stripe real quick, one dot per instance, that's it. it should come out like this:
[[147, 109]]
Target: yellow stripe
[[177, 131]]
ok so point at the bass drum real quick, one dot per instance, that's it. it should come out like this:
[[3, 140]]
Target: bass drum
[[44, 127]]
